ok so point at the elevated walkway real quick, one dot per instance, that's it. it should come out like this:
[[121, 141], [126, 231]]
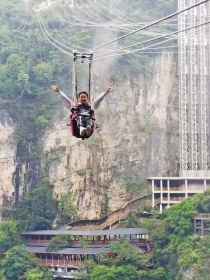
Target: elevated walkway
[[111, 219]]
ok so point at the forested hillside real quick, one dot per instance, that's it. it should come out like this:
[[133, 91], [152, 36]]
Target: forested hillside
[[36, 44]]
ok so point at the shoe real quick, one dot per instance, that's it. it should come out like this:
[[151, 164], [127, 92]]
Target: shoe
[[82, 130], [88, 130]]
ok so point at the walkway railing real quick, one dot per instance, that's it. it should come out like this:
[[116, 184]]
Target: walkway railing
[[62, 262], [109, 220], [157, 201]]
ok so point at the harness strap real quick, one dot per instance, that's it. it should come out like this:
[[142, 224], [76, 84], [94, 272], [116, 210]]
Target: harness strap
[[90, 74], [74, 78]]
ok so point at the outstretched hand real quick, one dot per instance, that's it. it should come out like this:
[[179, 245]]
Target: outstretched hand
[[110, 89], [55, 88]]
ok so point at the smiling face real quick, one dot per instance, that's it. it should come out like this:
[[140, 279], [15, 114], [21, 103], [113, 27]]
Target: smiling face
[[83, 98]]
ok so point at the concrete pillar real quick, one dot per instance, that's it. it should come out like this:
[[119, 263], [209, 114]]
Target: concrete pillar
[[1, 197], [161, 191], [153, 194], [161, 208], [186, 188]]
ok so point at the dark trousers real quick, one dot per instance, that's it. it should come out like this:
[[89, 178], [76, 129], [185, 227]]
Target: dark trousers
[[84, 121]]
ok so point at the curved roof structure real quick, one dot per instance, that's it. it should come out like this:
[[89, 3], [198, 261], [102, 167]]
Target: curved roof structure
[[119, 231]]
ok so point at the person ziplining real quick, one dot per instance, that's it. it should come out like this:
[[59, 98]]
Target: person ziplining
[[82, 112], [82, 120]]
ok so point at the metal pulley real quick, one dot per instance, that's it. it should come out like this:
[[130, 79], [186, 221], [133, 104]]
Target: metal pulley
[[83, 57]]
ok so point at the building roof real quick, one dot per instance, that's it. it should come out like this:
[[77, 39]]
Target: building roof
[[179, 178], [74, 251], [119, 231]]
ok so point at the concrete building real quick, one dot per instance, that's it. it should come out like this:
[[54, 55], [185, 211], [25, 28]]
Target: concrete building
[[170, 190], [202, 224]]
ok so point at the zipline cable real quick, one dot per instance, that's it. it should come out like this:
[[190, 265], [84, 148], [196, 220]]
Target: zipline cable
[[90, 24], [19, 97], [135, 51], [23, 24], [160, 37], [76, 47], [150, 40], [40, 24], [117, 26], [154, 23], [157, 29], [51, 80]]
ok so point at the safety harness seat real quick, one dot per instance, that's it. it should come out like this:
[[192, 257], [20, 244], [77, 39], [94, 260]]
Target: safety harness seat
[[73, 121]]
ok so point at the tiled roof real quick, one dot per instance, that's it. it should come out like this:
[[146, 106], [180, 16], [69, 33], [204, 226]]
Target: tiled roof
[[119, 231]]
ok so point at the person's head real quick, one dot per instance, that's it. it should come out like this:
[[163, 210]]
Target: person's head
[[83, 97]]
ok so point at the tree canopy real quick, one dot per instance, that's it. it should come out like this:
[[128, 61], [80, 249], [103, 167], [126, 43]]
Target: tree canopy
[[20, 264]]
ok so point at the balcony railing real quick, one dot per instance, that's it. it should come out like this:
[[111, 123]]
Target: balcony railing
[[173, 198], [157, 201], [171, 189], [62, 262], [36, 241], [63, 274], [202, 216], [170, 199]]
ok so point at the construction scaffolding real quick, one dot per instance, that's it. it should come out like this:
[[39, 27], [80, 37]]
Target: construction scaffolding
[[194, 100]]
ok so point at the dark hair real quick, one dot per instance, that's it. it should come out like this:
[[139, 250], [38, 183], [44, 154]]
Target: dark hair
[[82, 93]]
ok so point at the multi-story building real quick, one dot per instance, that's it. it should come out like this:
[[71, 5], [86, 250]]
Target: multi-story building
[[202, 224], [168, 191], [67, 261]]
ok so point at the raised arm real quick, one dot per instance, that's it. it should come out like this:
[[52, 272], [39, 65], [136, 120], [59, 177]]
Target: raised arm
[[97, 101], [66, 101]]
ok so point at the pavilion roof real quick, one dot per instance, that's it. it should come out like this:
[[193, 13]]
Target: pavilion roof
[[73, 251], [119, 231]]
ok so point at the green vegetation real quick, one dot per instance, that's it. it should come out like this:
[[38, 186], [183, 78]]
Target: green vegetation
[[175, 246], [134, 184], [129, 263], [84, 241], [58, 243], [15, 260], [67, 210], [38, 208], [20, 264], [176, 249], [9, 235]]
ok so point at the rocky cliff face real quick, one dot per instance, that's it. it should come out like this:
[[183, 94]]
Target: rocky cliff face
[[138, 127], [138, 133], [7, 158]]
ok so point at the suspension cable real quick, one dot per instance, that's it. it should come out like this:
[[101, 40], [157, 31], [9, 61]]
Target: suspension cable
[[23, 24], [40, 24], [160, 37], [154, 23], [83, 56], [137, 50]]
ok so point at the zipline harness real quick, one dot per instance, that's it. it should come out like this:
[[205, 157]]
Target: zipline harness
[[74, 129], [83, 56]]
